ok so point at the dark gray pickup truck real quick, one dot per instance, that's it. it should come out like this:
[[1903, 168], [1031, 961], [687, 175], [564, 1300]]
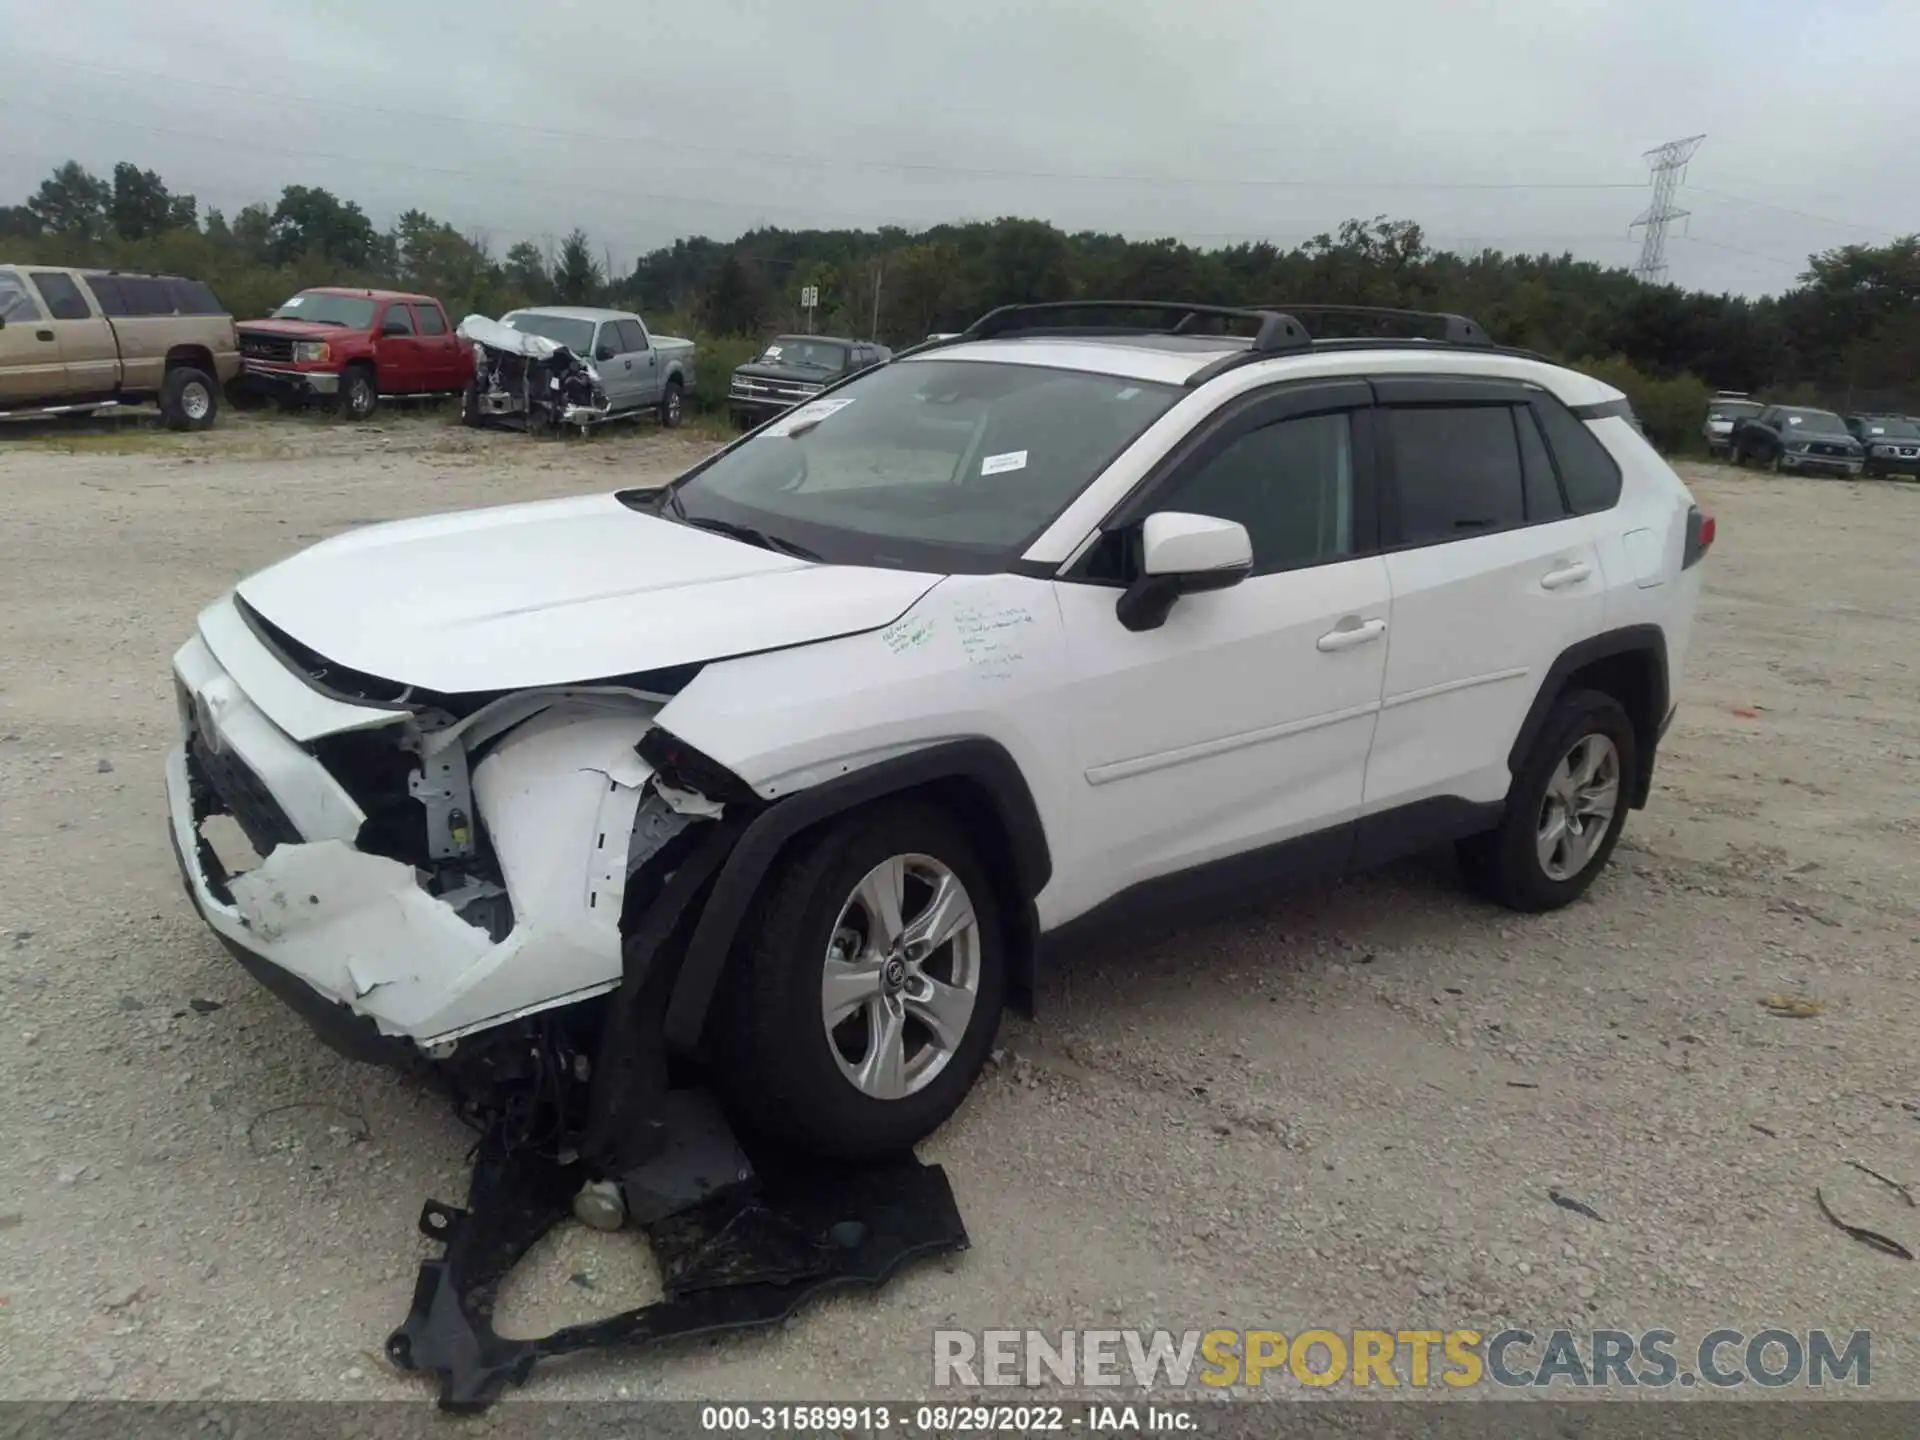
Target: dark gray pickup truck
[[794, 368]]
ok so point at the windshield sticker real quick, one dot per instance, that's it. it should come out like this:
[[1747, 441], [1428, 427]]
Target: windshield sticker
[[773, 353], [1128, 393], [293, 302], [808, 415], [1001, 464], [1793, 419]]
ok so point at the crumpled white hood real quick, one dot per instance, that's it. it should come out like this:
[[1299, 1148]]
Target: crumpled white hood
[[558, 592], [496, 336]]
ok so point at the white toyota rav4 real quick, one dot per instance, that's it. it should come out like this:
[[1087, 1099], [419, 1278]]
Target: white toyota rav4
[[798, 767]]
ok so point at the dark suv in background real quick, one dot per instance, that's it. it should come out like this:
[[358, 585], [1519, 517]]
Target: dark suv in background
[[1796, 437], [1892, 443], [795, 368]]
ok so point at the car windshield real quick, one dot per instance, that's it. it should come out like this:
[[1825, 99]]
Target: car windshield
[[1889, 428], [807, 354], [1819, 422], [1732, 410], [948, 465], [351, 311], [576, 335]]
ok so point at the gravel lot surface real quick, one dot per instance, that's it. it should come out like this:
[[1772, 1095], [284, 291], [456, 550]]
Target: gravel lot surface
[[1344, 1109]]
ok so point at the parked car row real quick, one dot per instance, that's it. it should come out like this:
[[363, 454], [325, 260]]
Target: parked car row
[[73, 341], [1805, 438]]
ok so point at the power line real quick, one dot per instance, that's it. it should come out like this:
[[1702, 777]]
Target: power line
[[1795, 265], [1669, 162], [1789, 210], [281, 98]]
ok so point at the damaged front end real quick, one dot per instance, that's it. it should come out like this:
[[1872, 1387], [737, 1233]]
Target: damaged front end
[[499, 891], [528, 380], [440, 881]]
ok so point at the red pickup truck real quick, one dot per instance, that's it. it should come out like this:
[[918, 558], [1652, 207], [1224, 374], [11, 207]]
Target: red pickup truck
[[352, 347]]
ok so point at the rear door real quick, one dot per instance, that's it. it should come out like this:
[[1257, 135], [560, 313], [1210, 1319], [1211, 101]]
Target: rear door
[[449, 364], [404, 365], [30, 365], [87, 347], [140, 309], [638, 347], [1493, 576]]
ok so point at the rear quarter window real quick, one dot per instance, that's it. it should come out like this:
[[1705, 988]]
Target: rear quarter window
[[194, 297], [1588, 474]]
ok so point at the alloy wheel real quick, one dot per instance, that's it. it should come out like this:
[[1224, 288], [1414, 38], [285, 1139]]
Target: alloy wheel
[[1583, 791], [901, 976]]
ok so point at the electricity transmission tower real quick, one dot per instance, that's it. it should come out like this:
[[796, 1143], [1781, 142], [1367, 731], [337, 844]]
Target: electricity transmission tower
[[1669, 162]]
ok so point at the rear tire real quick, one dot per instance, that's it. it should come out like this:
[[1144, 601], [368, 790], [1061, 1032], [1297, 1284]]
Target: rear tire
[[359, 396], [838, 1041], [1525, 862], [672, 405], [189, 400]]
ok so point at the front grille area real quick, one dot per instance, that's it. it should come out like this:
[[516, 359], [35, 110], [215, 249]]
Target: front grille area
[[256, 346], [779, 392], [241, 794], [1820, 447]]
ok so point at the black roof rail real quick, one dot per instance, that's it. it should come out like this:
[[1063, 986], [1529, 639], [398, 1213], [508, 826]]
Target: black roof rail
[[1454, 329], [1275, 332]]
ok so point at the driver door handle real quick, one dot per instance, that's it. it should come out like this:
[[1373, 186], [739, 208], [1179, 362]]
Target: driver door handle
[[43, 334], [1351, 631], [1564, 575]]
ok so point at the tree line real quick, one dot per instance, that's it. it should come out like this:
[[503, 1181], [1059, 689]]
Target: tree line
[[1846, 335]]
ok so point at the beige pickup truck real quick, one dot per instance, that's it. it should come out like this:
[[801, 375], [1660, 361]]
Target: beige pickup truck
[[73, 341]]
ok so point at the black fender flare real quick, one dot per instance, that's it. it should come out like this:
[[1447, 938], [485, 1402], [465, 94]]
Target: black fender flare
[[1648, 640], [980, 761]]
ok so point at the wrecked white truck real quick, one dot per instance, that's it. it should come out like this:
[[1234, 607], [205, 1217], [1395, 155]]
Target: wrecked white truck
[[572, 366]]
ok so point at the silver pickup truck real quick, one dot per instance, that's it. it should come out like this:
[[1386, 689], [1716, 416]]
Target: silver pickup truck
[[573, 365]]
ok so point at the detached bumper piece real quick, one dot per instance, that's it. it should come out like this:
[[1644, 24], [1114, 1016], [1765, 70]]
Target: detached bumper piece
[[746, 1256]]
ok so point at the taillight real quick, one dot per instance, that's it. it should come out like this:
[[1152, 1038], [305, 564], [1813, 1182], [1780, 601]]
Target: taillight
[[1699, 536]]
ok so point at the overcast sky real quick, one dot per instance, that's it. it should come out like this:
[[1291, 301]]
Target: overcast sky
[[1513, 123]]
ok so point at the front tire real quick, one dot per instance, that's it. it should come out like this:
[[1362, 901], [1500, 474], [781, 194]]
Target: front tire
[[861, 1007], [189, 400], [359, 396], [1565, 810], [470, 406]]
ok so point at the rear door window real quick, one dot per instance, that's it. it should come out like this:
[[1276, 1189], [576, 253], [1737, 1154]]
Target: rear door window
[[430, 321], [63, 297], [398, 314], [633, 339], [1457, 471], [146, 296]]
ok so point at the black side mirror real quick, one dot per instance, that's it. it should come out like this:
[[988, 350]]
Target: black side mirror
[[605, 352]]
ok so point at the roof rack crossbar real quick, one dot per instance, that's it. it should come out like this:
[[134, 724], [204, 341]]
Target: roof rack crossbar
[[1274, 332], [1454, 329]]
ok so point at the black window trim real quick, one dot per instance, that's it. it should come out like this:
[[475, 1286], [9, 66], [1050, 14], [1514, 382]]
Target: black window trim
[[1241, 415]]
